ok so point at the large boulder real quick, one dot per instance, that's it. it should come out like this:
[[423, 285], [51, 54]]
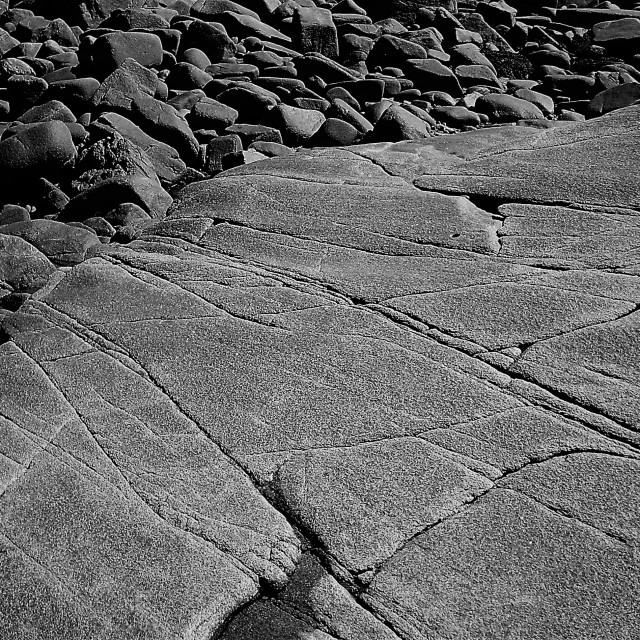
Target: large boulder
[[42, 149]]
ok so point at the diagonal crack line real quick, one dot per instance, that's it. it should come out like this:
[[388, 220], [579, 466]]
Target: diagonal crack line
[[463, 506], [236, 561], [150, 378], [634, 309], [562, 513], [565, 454], [620, 437], [78, 598], [352, 246], [223, 312], [490, 154], [379, 164]]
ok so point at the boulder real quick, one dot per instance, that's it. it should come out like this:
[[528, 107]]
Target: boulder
[[62, 244], [109, 51], [505, 108], [397, 124], [78, 13], [313, 30], [432, 75], [618, 35], [42, 149], [617, 97], [23, 267], [111, 171], [296, 125]]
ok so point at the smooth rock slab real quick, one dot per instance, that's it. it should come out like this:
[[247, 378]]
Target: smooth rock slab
[[510, 565], [81, 452]]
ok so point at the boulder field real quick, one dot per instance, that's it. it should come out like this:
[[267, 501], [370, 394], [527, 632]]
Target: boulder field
[[319, 321]]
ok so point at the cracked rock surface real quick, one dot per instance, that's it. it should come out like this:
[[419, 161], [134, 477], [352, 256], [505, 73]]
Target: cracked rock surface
[[387, 391]]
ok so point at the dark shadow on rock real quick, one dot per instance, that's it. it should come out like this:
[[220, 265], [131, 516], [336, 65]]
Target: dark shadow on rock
[[287, 615]]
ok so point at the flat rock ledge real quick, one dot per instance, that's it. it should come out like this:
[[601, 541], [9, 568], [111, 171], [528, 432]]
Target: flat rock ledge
[[378, 392]]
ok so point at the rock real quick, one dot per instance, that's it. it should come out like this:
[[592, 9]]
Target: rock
[[542, 158], [78, 13], [126, 214], [60, 243], [296, 125], [341, 110], [211, 10], [473, 75], [165, 159], [555, 58], [51, 110], [271, 149], [187, 76], [7, 41], [587, 17], [618, 35], [112, 171], [231, 69], [212, 40], [13, 213], [573, 86], [316, 64], [623, 95], [14, 67], [75, 94], [132, 19], [43, 149], [313, 30], [469, 53], [23, 267], [410, 350], [490, 37], [24, 91], [497, 13], [122, 87], [250, 134], [540, 100], [394, 51], [196, 57], [104, 230], [396, 124], [505, 108], [432, 75], [211, 114], [335, 132], [112, 49], [222, 153], [244, 26], [406, 11], [456, 116], [252, 103], [162, 121]]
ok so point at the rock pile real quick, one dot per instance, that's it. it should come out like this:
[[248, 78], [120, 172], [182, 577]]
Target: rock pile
[[110, 110]]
